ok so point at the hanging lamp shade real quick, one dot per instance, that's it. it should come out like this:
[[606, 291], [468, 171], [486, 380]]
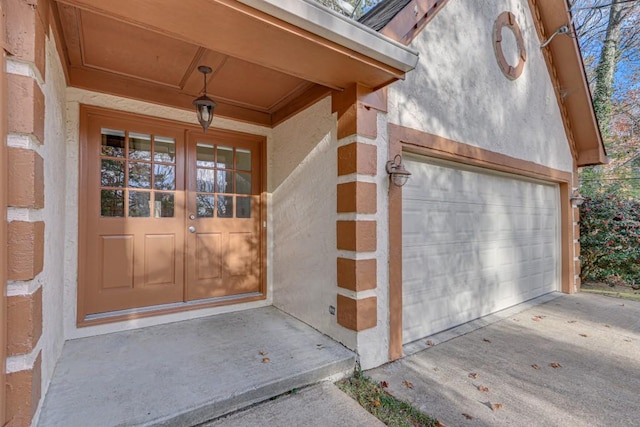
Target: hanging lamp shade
[[204, 105]]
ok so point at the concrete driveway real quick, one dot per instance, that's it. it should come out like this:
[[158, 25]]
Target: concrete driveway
[[573, 361]]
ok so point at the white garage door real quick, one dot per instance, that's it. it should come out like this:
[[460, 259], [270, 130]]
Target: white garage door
[[473, 242]]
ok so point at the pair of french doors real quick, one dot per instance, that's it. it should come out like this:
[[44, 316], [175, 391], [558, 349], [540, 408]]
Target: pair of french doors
[[169, 215]]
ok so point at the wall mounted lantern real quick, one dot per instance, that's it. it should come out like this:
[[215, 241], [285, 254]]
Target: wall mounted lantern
[[576, 198], [204, 104], [398, 174]]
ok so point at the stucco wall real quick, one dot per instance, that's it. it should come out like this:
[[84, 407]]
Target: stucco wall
[[303, 179], [53, 152], [459, 92], [75, 97]]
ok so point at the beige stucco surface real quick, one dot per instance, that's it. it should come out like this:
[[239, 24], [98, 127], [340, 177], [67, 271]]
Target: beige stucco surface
[[458, 91], [54, 213], [304, 179], [303, 170]]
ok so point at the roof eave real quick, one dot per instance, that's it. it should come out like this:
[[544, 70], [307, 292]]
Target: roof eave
[[574, 86], [323, 22]]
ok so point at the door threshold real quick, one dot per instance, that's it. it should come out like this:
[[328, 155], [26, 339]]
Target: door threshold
[[176, 307]]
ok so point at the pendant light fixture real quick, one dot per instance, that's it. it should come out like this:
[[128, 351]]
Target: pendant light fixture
[[204, 104]]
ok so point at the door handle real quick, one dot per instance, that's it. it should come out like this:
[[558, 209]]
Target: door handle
[[192, 229]]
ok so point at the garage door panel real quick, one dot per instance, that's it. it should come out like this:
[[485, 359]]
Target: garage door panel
[[473, 243]]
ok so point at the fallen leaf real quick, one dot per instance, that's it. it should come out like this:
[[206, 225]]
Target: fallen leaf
[[440, 424], [583, 335], [486, 340], [263, 353], [555, 365], [534, 366], [384, 384], [496, 406], [266, 360], [467, 416], [483, 388], [407, 384], [376, 403], [607, 326], [431, 343], [571, 321], [473, 375], [537, 318]]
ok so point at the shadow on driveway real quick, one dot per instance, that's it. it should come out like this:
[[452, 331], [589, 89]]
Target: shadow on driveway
[[594, 339]]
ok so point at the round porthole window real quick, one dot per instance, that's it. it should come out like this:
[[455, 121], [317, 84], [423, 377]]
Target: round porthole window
[[509, 45]]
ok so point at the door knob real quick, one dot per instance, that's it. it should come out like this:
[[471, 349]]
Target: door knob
[[192, 229]]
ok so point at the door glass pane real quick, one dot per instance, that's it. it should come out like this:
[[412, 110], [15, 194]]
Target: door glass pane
[[140, 175], [163, 206], [204, 155], [112, 142], [139, 203], [112, 203], [165, 149], [225, 158], [243, 207], [224, 182], [205, 205], [139, 146], [225, 206], [112, 173], [243, 159], [243, 183], [204, 180], [164, 177]]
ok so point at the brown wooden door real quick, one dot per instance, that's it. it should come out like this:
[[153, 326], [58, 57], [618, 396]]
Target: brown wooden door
[[224, 216], [133, 181], [143, 185]]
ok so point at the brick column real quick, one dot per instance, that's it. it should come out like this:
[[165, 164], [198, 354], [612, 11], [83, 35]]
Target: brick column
[[356, 227], [27, 25], [3, 217]]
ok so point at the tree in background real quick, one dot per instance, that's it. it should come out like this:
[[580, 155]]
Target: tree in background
[[609, 36]]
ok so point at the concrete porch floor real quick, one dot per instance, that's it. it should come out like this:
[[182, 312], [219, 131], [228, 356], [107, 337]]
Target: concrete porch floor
[[189, 372]]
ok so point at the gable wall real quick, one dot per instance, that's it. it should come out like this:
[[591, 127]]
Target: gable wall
[[459, 92]]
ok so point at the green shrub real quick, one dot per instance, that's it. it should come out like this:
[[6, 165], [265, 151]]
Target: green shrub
[[610, 238]]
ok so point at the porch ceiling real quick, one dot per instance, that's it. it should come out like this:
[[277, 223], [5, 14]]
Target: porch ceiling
[[264, 68]]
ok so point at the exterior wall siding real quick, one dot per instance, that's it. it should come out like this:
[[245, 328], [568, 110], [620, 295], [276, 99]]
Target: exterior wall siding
[[302, 184], [459, 92]]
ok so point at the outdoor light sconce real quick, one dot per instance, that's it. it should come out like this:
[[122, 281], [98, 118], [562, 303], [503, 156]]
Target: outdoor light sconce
[[576, 198], [561, 30], [204, 104], [398, 174]]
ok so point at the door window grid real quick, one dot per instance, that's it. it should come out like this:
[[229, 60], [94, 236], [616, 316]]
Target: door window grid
[[140, 169], [223, 181]]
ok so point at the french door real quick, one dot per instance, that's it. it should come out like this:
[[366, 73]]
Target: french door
[[167, 215]]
